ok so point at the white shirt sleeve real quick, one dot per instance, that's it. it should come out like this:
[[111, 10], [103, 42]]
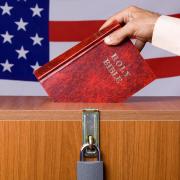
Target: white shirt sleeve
[[166, 34]]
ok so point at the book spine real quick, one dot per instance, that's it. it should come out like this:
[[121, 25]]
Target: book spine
[[75, 51]]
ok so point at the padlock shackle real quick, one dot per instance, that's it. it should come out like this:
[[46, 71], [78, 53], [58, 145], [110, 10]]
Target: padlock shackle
[[85, 146]]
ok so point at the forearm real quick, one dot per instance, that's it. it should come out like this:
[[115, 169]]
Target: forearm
[[166, 34]]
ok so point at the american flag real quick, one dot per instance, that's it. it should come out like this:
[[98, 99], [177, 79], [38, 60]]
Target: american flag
[[32, 32]]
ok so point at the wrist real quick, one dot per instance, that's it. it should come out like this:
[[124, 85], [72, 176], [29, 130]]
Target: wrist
[[154, 21]]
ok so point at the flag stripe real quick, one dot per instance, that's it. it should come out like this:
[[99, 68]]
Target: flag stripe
[[69, 31], [165, 67]]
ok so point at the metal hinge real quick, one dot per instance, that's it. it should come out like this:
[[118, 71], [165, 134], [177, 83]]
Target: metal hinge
[[90, 130]]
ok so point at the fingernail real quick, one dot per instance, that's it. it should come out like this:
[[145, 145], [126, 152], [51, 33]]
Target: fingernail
[[107, 40]]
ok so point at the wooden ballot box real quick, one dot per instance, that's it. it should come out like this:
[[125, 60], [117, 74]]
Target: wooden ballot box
[[41, 140]]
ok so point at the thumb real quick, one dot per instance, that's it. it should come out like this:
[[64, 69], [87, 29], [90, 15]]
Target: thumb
[[119, 35]]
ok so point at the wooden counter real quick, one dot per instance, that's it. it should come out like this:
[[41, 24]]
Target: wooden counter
[[40, 139]]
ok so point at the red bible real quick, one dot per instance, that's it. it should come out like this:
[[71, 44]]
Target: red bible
[[94, 72]]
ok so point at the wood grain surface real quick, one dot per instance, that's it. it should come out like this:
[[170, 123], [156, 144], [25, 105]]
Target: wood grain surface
[[134, 147]]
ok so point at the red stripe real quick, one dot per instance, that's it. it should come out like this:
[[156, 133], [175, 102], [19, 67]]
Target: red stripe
[[175, 15], [165, 67], [72, 30], [64, 31]]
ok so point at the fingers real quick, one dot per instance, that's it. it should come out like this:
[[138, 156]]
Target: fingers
[[121, 17], [119, 35], [107, 23], [139, 44], [118, 17]]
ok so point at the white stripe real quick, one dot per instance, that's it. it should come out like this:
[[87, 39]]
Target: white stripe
[[150, 51], [57, 48], [163, 87], [102, 9], [20, 88]]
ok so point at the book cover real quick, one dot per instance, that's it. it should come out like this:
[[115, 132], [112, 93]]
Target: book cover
[[94, 72]]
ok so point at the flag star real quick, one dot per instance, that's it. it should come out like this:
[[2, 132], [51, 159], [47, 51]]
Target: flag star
[[36, 11], [7, 37], [36, 39], [6, 9], [22, 53], [36, 66], [7, 66], [21, 24]]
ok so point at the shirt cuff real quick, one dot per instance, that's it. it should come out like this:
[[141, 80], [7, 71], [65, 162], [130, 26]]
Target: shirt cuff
[[166, 34]]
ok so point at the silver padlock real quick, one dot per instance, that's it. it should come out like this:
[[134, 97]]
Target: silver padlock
[[89, 170]]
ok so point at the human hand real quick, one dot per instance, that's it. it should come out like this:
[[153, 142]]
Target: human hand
[[139, 23]]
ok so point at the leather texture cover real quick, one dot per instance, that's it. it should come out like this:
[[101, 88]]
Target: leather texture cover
[[96, 73]]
